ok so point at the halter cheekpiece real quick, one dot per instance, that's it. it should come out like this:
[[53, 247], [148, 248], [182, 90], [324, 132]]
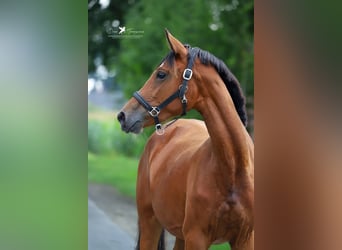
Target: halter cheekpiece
[[180, 93]]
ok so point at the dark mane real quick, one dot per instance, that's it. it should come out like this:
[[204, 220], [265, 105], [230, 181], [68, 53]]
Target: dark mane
[[169, 58], [227, 77], [229, 80]]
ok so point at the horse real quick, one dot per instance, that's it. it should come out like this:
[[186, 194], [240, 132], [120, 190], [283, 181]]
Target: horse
[[195, 178]]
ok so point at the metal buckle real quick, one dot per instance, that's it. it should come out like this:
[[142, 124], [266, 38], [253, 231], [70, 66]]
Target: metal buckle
[[154, 111], [159, 129], [187, 71], [184, 100]]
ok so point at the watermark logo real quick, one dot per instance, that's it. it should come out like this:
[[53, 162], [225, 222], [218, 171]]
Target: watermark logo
[[122, 29], [124, 33]]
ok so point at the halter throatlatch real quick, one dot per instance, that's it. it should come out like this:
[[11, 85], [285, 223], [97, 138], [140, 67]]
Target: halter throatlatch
[[180, 93]]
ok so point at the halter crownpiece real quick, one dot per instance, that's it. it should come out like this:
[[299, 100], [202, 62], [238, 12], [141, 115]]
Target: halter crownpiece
[[154, 111]]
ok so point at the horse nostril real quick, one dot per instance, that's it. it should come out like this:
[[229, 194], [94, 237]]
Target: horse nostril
[[121, 117]]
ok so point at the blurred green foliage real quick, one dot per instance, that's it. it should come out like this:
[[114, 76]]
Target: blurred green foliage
[[205, 24], [98, 42], [114, 169], [224, 29], [43, 168], [106, 136]]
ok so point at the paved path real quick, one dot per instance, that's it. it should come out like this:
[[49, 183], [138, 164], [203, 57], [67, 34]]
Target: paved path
[[120, 209], [103, 234]]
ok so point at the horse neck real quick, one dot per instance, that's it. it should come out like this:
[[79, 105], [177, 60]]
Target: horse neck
[[229, 138]]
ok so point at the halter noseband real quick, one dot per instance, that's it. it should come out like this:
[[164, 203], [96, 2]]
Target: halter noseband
[[180, 93]]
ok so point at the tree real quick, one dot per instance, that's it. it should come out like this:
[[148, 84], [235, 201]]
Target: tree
[[226, 30], [100, 19]]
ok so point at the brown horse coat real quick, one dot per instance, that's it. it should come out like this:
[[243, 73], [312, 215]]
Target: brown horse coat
[[196, 180]]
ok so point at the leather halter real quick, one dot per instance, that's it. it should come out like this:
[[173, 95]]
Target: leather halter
[[180, 93]]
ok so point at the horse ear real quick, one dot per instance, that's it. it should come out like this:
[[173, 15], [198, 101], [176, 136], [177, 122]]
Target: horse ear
[[176, 46]]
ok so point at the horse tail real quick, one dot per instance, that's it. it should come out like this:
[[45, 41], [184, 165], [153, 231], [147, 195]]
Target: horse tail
[[161, 243]]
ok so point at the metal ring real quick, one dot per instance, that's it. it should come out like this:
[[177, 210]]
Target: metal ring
[[159, 129]]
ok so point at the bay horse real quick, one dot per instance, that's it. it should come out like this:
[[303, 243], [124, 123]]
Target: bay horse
[[195, 179]]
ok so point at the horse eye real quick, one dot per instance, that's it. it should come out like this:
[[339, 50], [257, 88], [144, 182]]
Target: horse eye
[[161, 75]]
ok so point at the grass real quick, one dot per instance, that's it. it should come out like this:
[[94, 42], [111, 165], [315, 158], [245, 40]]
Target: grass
[[105, 136], [220, 247], [114, 169]]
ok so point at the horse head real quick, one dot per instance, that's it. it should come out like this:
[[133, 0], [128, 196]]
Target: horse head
[[167, 93]]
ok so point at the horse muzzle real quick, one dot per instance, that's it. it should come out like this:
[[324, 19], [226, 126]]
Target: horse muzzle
[[130, 123]]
